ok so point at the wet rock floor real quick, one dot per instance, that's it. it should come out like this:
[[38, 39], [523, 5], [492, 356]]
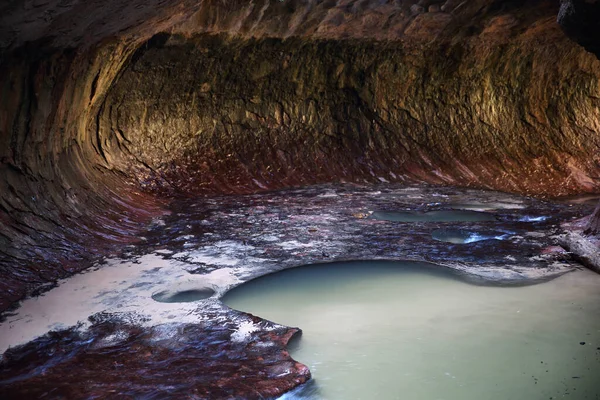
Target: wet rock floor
[[109, 337]]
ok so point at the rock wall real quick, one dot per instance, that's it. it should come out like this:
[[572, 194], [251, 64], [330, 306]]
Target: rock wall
[[580, 19], [58, 200], [215, 113], [107, 107]]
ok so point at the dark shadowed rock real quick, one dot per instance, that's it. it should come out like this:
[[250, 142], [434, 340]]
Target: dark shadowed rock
[[580, 19]]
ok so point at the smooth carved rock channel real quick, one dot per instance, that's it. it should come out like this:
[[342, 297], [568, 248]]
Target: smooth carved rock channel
[[104, 119], [144, 143]]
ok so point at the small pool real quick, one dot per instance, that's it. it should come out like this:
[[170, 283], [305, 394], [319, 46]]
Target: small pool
[[464, 236], [182, 296], [433, 216], [398, 330]]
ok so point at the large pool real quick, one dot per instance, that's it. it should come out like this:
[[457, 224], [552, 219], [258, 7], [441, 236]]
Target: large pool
[[399, 330]]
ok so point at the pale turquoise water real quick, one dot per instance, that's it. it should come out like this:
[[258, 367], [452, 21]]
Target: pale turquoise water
[[375, 330], [184, 296]]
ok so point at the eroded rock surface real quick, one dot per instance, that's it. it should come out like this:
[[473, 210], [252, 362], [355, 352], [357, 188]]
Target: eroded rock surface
[[112, 337], [111, 108], [220, 114], [102, 115], [116, 358], [581, 21]]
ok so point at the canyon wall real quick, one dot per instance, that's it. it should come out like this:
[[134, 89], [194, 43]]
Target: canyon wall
[[215, 113], [109, 108], [580, 19]]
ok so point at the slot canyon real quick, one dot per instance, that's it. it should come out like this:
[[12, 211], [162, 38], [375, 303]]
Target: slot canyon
[[155, 155]]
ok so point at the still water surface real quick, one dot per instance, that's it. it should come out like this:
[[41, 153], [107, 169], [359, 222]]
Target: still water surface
[[381, 330], [433, 216]]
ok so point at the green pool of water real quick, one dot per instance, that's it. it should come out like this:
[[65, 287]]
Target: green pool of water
[[380, 330], [183, 296], [433, 216]]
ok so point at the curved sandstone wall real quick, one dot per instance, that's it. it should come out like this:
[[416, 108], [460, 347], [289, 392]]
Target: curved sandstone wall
[[229, 114], [108, 108]]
